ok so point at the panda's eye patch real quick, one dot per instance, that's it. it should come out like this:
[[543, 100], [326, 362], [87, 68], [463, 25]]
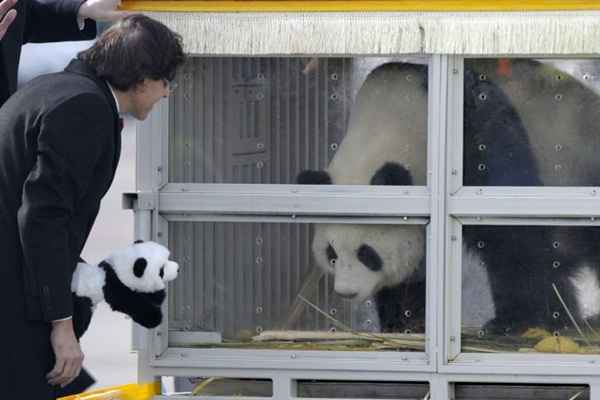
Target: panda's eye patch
[[369, 257], [161, 273], [331, 254], [139, 267]]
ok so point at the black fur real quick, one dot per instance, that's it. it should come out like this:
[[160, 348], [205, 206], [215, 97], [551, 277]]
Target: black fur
[[519, 260], [143, 308], [369, 257], [309, 177], [139, 267], [138, 241], [392, 173], [82, 314]]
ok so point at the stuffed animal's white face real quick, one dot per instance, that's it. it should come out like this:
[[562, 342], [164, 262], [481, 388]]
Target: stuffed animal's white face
[[144, 266], [366, 258]]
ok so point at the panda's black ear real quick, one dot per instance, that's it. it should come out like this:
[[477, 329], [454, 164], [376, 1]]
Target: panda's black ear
[[139, 267], [311, 177], [392, 173], [138, 241]]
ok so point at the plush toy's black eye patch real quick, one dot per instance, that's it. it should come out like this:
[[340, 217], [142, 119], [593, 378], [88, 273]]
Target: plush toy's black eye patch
[[161, 273], [369, 257], [139, 267], [331, 254]]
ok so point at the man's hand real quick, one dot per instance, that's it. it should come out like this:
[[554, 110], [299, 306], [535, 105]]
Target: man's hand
[[101, 10], [67, 351], [7, 14]]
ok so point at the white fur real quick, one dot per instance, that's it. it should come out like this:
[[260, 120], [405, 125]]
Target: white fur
[[399, 246], [88, 281], [157, 257], [388, 122], [587, 286]]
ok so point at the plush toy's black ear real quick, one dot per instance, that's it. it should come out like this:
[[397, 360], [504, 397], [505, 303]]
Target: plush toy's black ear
[[310, 177], [139, 267], [392, 173], [138, 241]]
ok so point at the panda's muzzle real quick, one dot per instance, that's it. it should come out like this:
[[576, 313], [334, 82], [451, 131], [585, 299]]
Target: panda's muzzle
[[348, 296]]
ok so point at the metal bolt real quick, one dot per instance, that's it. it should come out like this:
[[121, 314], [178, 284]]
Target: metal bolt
[[454, 172], [260, 146]]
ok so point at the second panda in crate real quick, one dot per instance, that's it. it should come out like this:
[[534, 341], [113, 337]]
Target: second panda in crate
[[386, 144]]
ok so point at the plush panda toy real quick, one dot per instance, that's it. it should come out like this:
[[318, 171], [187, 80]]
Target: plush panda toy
[[131, 280], [385, 144]]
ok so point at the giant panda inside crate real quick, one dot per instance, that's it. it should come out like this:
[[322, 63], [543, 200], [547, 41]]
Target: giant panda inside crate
[[364, 121]]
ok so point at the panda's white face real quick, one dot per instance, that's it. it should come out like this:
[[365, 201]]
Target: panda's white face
[[366, 258], [144, 266]]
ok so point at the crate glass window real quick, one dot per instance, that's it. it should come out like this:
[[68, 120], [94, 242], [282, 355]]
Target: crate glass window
[[531, 122], [268, 120], [296, 285], [530, 288]]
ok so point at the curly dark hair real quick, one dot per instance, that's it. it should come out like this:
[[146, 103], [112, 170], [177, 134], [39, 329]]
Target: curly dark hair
[[135, 48]]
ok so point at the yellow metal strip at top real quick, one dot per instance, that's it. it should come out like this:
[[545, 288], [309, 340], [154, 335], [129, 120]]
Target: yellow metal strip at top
[[358, 5]]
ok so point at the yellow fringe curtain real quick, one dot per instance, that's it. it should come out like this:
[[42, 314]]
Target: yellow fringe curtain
[[359, 5]]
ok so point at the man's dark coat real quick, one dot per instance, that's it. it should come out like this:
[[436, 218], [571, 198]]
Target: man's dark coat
[[59, 147], [38, 21]]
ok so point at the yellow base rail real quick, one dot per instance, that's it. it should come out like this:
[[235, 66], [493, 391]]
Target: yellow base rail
[[132, 391]]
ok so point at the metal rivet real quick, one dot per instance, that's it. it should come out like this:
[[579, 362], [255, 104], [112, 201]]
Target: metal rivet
[[332, 329], [259, 310], [555, 264], [481, 167], [408, 78], [558, 148], [559, 77], [481, 244], [333, 311], [259, 260], [334, 77], [407, 331], [333, 146], [555, 314], [482, 147], [558, 97], [260, 146], [260, 76], [260, 96], [557, 167], [482, 96], [481, 333], [454, 172], [259, 329], [368, 303], [556, 333], [556, 245], [332, 261], [586, 77], [407, 313], [259, 241], [293, 356], [260, 164], [483, 77], [334, 96], [368, 322]]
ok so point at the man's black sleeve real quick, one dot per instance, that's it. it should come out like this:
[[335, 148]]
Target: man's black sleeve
[[55, 21]]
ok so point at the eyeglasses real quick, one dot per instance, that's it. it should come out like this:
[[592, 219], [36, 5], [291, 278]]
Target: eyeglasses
[[170, 85]]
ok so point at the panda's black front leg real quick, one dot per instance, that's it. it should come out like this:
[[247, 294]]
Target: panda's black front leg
[[82, 314]]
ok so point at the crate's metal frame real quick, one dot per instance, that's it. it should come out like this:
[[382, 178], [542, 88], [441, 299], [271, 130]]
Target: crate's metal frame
[[444, 203]]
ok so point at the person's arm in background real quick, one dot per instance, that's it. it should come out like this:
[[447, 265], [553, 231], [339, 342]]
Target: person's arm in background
[[59, 20], [7, 15]]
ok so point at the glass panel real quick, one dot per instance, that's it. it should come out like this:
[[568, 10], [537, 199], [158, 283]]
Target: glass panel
[[362, 390], [530, 288], [300, 286], [531, 122], [267, 120], [498, 391], [220, 386]]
